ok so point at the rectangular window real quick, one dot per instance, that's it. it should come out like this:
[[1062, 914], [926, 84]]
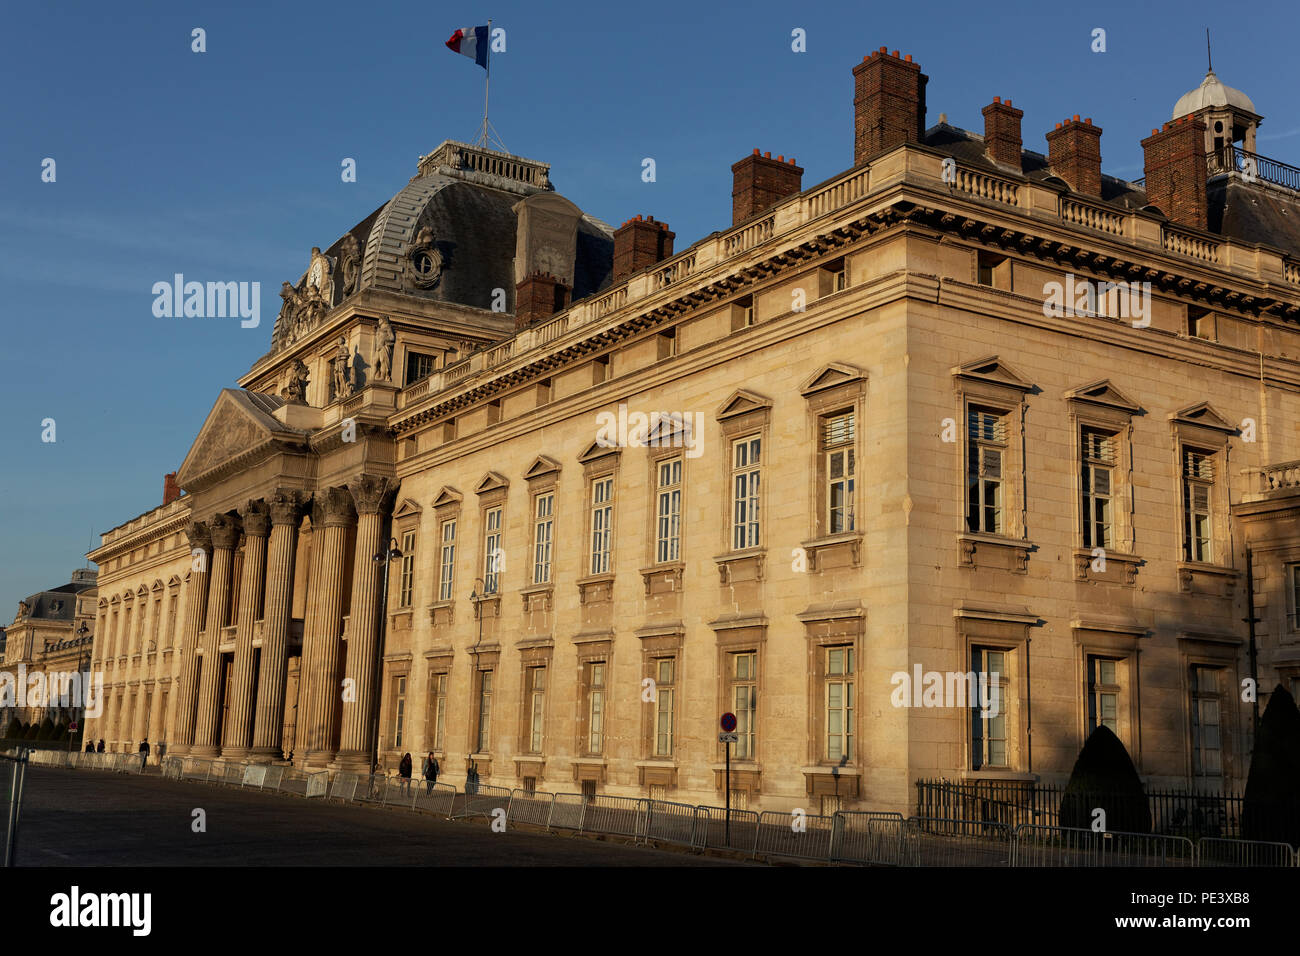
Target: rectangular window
[[746, 468], [744, 702], [667, 344], [543, 527], [1207, 741], [439, 710], [989, 722], [1103, 694], [596, 707], [668, 509], [399, 719], [1198, 485], [1293, 578], [838, 436], [602, 519], [407, 575], [484, 736], [986, 454], [665, 693], [1097, 482], [536, 707], [491, 550], [447, 560], [839, 703], [418, 366], [742, 313]]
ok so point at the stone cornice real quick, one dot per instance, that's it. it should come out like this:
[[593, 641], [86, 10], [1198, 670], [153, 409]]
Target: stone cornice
[[168, 526]]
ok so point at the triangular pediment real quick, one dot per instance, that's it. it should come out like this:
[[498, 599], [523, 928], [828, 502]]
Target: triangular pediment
[[1104, 393], [240, 423], [407, 509], [666, 427], [837, 373], [1203, 415], [597, 449], [448, 496], [492, 481], [741, 402], [993, 371], [542, 466]]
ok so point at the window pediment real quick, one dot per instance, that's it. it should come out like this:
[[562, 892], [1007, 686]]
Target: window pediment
[[1203, 415], [448, 497], [742, 402], [596, 451], [543, 466], [995, 372], [492, 481], [407, 509], [832, 376], [1105, 394]]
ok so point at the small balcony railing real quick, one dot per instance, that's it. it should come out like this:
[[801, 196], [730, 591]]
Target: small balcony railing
[[1252, 166]]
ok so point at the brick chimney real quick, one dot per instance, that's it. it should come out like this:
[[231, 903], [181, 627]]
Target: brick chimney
[[760, 182], [639, 243], [1002, 132], [1074, 153], [540, 295], [171, 490], [1176, 171], [888, 103]]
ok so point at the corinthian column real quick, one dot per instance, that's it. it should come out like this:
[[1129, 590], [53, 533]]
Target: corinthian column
[[334, 506], [225, 534], [196, 598], [358, 732], [286, 512], [239, 730]]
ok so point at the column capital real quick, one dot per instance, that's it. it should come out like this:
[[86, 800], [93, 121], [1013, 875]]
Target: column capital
[[369, 492], [200, 535], [333, 508], [225, 531], [286, 506], [257, 519]]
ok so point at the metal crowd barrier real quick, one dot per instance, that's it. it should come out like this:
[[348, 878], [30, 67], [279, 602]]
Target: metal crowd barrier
[[1069, 846], [440, 799], [803, 836], [530, 807], [741, 834], [677, 823], [615, 816], [931, 841], [483, 802], [1214, 851], [867, 837], [12, 773]]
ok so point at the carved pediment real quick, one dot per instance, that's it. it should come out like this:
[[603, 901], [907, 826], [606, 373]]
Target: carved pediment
[[492, 481], [837, 373], [596, 450], [741, 402], [1203, 415], [541, 467], [448, 497], [407, 509], [993, 371], [237, 425], [1104, 393]]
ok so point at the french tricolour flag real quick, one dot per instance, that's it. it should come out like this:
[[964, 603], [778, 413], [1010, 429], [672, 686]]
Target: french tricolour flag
[[471, 42]]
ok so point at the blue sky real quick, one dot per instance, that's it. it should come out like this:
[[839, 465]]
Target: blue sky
[[225, 165]]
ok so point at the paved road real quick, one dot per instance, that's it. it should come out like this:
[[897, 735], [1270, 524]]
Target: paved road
[[96, 818]]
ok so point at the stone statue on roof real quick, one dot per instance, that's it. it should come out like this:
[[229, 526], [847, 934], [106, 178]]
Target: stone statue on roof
[[298, 379], [342, 370], [383, 360]]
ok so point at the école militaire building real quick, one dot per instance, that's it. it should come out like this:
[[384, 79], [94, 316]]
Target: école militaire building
[[849, 440]]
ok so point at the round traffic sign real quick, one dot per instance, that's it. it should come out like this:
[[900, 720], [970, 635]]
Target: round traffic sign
[[728, 722]]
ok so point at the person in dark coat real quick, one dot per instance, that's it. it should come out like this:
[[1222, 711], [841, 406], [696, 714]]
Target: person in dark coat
[[430, 773], [90, 746], [404, 771], [144, 754], [99, 747]]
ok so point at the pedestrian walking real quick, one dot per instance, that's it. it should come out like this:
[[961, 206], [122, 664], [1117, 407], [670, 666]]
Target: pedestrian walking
[[430, 773], [144, 754], [404, 771], [99, 747]]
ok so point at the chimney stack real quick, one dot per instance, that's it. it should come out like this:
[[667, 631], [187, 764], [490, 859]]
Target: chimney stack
[[171, 490], [1074, 153], [759, 182], [639, 243], [1002, 132], [537, 297], [1176, 171], [888, 103]]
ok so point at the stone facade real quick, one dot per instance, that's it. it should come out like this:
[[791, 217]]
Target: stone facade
[[842, 443]]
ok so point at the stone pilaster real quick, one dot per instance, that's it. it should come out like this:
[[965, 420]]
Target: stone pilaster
[[286, 509], [357, 737], [336, 514], [196, 599], [225, 535], [238, 733]]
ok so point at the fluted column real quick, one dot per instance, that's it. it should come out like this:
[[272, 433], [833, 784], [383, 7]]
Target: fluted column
[[335, 509], [368, 493], [196, 599], [225, 535], [239, 733], [268, 724]]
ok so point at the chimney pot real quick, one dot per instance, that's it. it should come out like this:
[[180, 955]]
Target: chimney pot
[[888, 104], [997, 99], [1176, 171], [759, 182], [640, 243], [1074, 154], [908, 58], [1002, 132]]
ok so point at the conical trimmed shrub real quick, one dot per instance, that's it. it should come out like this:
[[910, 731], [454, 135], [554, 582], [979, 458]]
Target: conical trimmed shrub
[[29, 732], [46, 731], [15, 729], [1104, 778], [1271, 808]]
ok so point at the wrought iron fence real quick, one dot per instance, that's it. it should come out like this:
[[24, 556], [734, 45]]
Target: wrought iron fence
[[13, 770]]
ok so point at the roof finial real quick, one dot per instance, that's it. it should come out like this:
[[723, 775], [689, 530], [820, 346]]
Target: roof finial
[[1208, 61]]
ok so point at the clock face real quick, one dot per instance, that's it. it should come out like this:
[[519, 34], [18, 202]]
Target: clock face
[[313, 277]]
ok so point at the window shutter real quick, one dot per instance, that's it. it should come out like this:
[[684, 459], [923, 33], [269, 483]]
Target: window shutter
[[838, 429], [1197, 464]]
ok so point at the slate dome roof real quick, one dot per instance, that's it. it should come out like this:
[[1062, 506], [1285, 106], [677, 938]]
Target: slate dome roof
[[1211, 92]]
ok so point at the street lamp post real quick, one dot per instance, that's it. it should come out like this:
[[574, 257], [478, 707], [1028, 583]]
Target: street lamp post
[[386, 557], [82, 631], [476, 598]]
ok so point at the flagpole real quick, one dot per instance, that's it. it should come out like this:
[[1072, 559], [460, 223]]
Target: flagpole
[[487, 80]]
